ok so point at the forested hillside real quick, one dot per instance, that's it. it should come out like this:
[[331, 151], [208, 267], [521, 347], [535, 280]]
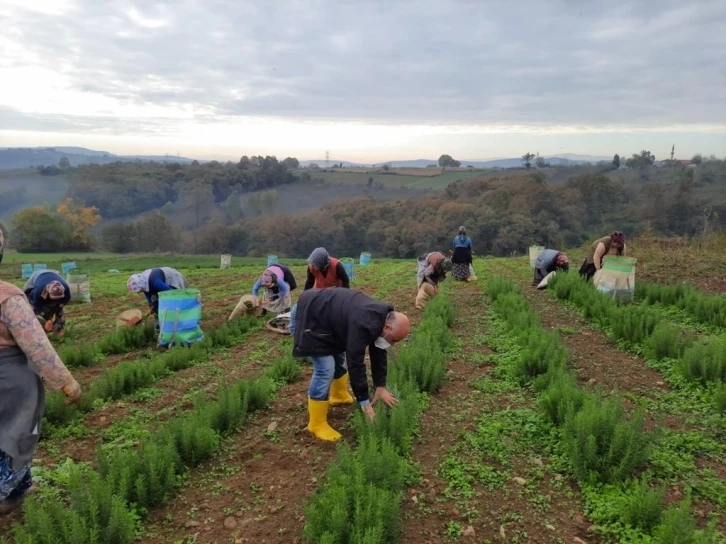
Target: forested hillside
[[262, 205]]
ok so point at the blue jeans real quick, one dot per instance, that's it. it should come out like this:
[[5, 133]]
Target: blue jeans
[[326, 368]]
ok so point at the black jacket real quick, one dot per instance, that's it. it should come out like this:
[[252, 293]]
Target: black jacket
[[336, 320]]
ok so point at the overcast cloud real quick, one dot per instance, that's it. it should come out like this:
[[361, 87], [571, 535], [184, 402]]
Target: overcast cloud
[[148, 67]]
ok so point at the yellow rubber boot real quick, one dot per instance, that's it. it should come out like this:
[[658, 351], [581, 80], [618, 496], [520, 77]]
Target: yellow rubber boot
[[339, 391], [318, 425]]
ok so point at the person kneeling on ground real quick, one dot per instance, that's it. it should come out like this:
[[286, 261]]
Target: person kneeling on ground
[[48, 293], [431, 270], [325, 271], [28, 363], [153, 281], [327, 323], [550, 260], [609, 245], [278, 283]]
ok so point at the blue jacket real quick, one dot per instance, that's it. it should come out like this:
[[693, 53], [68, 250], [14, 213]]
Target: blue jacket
[[157, 284], [462, 241], [38, 302], [282, 288]]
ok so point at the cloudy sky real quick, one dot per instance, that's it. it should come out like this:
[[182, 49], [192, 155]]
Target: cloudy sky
[[369, 80]]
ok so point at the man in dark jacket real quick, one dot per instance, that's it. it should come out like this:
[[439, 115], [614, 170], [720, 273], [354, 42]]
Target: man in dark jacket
[[327, 323]]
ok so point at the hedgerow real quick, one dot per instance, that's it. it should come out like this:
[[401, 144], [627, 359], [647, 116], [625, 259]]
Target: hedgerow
[[703, 361], [98, 506], [360, 500], [708, 309], [129, 376]]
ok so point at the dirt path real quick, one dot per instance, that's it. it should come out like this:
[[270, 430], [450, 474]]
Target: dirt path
[[434, 513]]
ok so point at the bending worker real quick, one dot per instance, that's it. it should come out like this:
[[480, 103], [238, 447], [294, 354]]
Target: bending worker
[[431, 270], [326, 323], [549, 261], [609, 245], [48, 293], [153, 281], [325, 271], [278, 283]]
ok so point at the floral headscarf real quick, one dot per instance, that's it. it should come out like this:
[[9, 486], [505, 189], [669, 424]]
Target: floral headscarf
[[138, 282], [55, 290], [267, 279]]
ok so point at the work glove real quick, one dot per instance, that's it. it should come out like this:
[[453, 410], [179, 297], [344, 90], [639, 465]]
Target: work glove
[[72, 391]]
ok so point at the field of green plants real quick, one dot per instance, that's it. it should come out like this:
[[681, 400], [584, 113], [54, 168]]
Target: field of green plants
[[523, 416]]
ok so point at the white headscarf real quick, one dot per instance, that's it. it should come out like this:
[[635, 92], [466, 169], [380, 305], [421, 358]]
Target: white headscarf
[[139, 282]]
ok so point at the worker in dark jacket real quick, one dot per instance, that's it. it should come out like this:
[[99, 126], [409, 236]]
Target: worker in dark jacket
[[549, 261], [48, 293], [153, 281], [325, 271], [326, 323]]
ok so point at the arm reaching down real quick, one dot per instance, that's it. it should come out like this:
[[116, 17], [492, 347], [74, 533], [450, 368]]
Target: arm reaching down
[[342, 275]]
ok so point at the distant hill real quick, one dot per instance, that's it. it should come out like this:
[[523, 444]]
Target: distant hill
[[23, 157], [564, 159]]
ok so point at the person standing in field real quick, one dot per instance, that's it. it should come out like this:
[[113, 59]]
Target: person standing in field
[[278, 283], [549, 261], [462, 257], [48, 293], [609, 245], [325, 271], [326, 323], [153, 281], [431, 270], [28, 365]]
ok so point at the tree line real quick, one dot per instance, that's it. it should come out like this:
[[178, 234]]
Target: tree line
[[124, 189]]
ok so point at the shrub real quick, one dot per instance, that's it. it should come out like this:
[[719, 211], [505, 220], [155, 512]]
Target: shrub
[[644, 506], [601, 444], [633, 324], [541, 352], [708, 309], [93, 514], [399, 424], [421, 362], [286, 370], [361, 499], [705, 360], [79, 356], [719, 400], [679, 527], [440, 307], [667, 340], [194, 443], [497, 286], [562, 396]]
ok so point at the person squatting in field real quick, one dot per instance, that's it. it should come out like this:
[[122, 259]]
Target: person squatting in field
[[278, 283], [431, 270], [462, 256], [48, 293], [28, 362], [327, 323], [608, 245], [153, 281], [325, 271], [549, 261]]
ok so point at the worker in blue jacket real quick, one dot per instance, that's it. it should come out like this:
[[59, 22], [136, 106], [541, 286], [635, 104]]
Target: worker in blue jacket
[[153, 281], [48, 293]]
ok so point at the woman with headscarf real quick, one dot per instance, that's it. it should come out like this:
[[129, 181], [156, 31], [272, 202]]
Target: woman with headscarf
[[278, 283], [28, 362], [461, 259], [325, 271], [48, 293], [153, 281], [431, 270], [609, 245]]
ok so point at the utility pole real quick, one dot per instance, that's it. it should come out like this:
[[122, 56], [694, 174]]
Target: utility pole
[[327, 159], [673, 150]]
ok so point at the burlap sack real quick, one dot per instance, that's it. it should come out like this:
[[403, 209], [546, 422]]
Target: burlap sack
[[425, 292], [248, 304]]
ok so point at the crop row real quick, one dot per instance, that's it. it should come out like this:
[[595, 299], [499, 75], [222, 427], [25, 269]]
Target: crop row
[[705, 308], [604, 445], [105, 505], [128, 376], [360, 500], [702, 360]]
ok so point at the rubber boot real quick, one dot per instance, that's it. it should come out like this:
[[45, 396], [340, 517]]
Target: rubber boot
[[318, 425], [339, 391]]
